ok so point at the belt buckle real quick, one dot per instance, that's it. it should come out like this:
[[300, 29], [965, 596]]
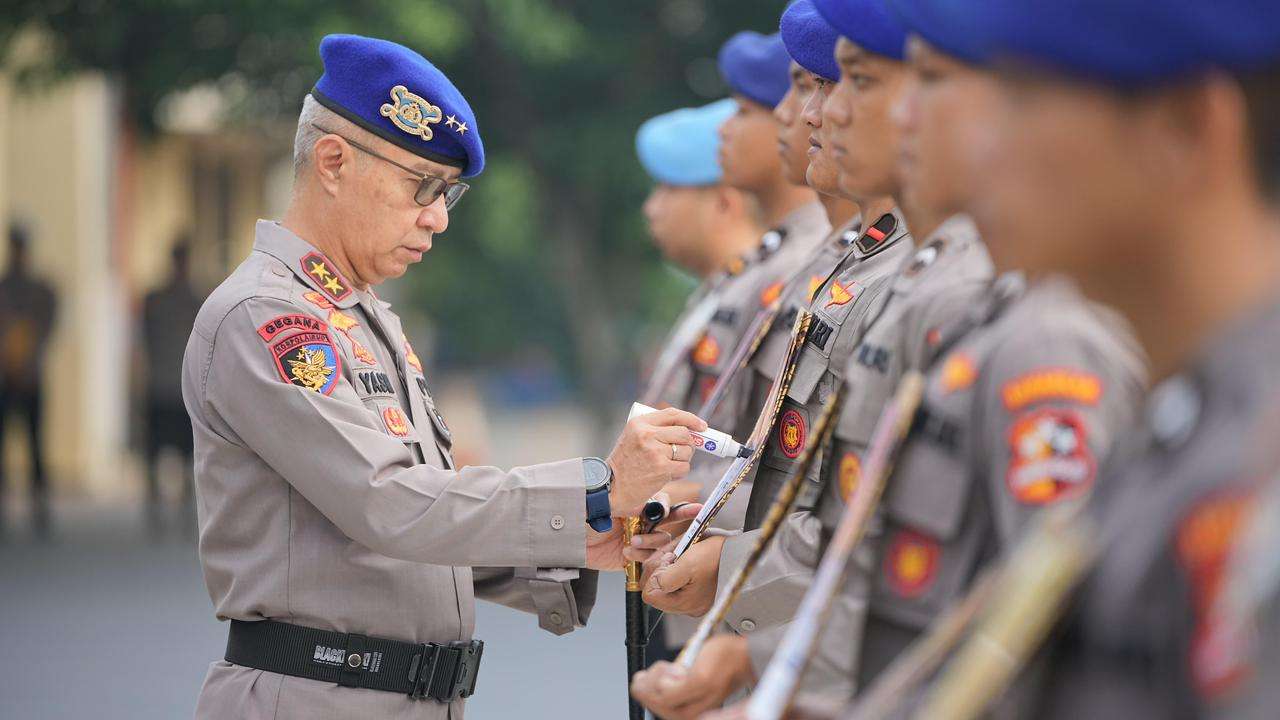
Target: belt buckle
[[468, 669]]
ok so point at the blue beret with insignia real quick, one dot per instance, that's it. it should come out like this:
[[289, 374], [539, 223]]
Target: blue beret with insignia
[[868, 23], [680, 147], [1135, 42], [945, 24], [396, 94], [756, 66], [810, 40]]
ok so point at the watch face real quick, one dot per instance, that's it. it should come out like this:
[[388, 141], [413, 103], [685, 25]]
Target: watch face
[[597, 473]]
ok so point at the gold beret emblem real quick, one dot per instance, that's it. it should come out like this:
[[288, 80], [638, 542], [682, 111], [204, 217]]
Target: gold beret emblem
[[411, 113]]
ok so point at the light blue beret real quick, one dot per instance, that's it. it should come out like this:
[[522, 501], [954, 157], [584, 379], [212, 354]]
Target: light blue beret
[[680, 147]]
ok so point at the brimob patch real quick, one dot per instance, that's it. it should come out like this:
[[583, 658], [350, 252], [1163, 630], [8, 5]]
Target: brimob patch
[[1051, 384], [850, 471], [911, 563], [791, 433], [397, 424], [1049, 457], [309, 360]]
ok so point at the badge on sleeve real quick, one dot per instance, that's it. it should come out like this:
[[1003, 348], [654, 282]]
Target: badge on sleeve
[[911, 563], [307, 357], [1049, 456], [791, 432], [1205, 542]]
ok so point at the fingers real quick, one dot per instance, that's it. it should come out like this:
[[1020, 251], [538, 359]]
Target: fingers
[[673, 435], [674, 576], [672, 416], [652, 541], [666, 689]]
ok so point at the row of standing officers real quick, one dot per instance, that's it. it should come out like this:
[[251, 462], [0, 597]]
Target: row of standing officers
[[1066, 227]]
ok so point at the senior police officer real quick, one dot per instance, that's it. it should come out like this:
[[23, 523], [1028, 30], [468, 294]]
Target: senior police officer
[[335, 532], [1160, 120]]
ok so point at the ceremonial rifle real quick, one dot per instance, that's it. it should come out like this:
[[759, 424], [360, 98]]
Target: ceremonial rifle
[[777, 686]]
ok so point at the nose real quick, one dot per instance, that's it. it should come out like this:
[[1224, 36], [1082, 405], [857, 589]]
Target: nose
[[812, 112], [434, 217]]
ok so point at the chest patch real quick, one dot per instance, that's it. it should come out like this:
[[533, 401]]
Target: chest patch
[[397, 424], [911, 563], [791, 433], [707, 351], [848, 474], [958, 373]]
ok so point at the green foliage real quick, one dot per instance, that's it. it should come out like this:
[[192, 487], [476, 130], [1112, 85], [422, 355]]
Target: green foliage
[[559, 87]]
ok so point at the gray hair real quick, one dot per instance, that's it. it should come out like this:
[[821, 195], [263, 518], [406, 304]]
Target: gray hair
[[304, 140]]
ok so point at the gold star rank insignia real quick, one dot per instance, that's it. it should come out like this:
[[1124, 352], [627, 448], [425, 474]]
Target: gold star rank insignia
[[451, 121], [326, 277], [462, 128]]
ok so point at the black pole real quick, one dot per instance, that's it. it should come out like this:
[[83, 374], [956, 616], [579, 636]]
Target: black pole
[[637, 635]]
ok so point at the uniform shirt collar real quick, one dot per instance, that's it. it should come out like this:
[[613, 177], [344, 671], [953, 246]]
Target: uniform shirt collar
[[308, 263]]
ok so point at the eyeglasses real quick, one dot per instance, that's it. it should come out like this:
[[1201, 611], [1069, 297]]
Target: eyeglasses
[[430, 187]]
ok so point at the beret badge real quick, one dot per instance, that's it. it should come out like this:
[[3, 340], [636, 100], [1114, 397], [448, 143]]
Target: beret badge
[[411, 113]]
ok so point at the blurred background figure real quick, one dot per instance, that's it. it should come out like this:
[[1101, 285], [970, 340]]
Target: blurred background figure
[[27, 306], [168, 313]]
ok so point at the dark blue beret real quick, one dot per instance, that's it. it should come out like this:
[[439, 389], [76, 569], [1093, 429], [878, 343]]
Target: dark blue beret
[[395, 93], [1135, 42], [756, 66], [868, 23], [945, 24], [682, 147], [810, 40]]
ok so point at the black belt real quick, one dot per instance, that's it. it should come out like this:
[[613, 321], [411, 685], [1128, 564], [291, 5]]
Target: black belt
[[440, 672]]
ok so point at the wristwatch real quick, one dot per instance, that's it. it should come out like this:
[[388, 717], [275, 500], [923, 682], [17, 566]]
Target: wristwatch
[[599, 478]]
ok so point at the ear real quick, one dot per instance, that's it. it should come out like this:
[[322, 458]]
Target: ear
[[331, 158]]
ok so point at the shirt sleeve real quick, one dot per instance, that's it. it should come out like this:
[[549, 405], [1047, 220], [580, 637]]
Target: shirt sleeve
[[329, 448], [562, 598]]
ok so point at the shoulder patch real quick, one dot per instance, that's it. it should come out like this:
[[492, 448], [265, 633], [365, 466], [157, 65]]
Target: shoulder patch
[[1205, 541], [309, 360], [318, 268], [1051, 384], [1049, 457], [284, 323], [911, 563]]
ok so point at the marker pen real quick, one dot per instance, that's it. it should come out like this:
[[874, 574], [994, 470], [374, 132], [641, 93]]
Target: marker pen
[[709, 441]]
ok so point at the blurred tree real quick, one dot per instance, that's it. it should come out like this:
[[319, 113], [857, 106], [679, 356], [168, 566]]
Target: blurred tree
[[548, 250]]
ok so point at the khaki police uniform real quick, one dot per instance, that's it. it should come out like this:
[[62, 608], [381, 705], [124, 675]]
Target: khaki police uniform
[[328, 497], [1144, 636], [933, 285]]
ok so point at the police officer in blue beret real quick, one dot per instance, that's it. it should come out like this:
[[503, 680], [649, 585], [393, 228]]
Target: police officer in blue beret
[[1136, 148], [336, 533]]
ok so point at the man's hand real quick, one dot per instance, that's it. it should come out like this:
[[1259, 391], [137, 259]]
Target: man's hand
[[674, 693], [606, 552], [653, 450], [685, 585]]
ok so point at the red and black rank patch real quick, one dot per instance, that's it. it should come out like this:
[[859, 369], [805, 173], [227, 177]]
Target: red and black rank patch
[[707, 351], [318, 268], [791, 433], [308, 359], [1220, 654], [1049, 457], [848, 474], [911, 563], [877, 233], [285, 323], [770, 295], [397, 424]]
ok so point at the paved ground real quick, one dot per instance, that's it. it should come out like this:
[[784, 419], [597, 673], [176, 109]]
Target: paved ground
[[104, 624]]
